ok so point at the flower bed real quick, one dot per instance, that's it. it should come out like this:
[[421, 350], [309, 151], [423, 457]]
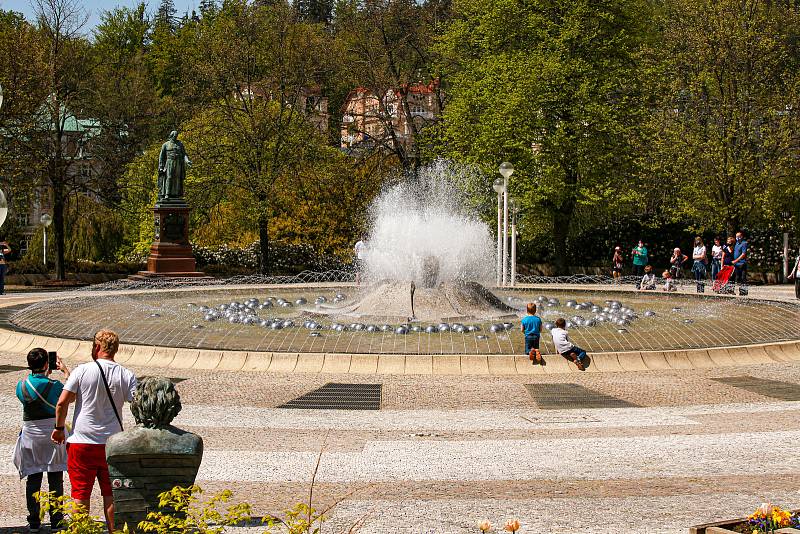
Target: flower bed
[[767, 519]]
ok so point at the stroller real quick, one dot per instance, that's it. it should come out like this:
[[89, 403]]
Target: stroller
[[721, 284]]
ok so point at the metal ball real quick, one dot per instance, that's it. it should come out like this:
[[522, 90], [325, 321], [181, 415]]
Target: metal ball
[[622, 330], [341, 296], [265, 305], [570, 324], [554, 302], [401, 330], [430, 329], [301, 301], [197, 326], [688, 321], [570, 303], [549, 326], [676, 309], [320, 300], [315, 334], [285, 304], [288, 323], [155, 315], [496, 328], [371, 328], [416, 328], [264, 322], [473, 328], [589, 322], [459, 329], [481, 336], [508, 326], [234, 319], [649, 313], [210, 318], [386, 328], [443, 327]]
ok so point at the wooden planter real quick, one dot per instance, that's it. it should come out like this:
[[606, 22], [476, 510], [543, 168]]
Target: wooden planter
[[725, 527]]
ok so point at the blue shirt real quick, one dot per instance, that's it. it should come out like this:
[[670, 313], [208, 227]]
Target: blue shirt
[[531, 325], [738, 250], [39, 381]]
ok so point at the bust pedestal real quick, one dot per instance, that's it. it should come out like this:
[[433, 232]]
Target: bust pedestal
[[171, 254], [144, 462]]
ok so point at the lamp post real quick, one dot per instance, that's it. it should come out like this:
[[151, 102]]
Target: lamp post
[[513, 205], [499, 186], [786, 221], [46, 221], [506, 169]]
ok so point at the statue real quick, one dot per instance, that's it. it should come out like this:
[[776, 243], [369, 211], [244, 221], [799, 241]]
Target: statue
[[153, 456], [172, 162]]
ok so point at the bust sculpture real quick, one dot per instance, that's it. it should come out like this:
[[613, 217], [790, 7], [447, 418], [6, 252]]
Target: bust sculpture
[[154, 456], [172, 162]]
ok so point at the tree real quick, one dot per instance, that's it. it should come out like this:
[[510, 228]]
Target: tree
[[551, 86], [387, 49], [725, 126], [165, 16], [253, 77], [56, 135]]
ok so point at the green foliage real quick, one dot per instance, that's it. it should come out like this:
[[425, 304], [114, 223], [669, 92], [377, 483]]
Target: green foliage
[[551, 86], [180, 513], [77, 518]]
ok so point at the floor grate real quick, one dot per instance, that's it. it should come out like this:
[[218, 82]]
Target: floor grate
[[11, 368], [337, 396], [572, 397], [776, 389]]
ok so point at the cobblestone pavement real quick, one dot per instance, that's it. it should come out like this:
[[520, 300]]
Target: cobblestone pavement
[[444, 452]]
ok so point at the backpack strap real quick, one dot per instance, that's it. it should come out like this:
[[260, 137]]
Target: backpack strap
[[110, 398], [42, 398]]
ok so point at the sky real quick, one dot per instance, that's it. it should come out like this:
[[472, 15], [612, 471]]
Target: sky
[[96, 7]]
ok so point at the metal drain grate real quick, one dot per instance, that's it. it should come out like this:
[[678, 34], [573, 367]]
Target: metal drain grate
[[572, 397], [336, 396], [776, 389], [11, 368]]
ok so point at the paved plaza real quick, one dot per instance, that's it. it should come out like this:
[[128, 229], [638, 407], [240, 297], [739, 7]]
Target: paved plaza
[[606, 452]]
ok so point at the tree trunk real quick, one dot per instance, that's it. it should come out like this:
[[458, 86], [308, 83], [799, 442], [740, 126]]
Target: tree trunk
[[561, 222], [263, 237], [58, 228]]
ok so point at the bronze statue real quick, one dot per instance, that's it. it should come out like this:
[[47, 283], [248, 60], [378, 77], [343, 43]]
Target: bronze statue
[[172, 162]]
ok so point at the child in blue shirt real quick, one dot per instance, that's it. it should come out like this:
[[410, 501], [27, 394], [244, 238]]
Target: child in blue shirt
[[532, 329]]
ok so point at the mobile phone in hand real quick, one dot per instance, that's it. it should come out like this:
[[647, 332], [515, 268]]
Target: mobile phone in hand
[[52, 360]]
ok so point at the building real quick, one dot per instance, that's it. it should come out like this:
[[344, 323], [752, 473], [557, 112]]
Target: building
[[369, 121], [83, 166], [310, 100]]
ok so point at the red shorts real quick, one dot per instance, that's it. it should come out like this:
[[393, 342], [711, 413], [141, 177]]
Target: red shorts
[[85, 463]]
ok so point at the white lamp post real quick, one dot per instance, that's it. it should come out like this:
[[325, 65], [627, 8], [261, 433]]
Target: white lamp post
[[786, 223], [46, 221], [499, 186], [513, 205], [506, 169]]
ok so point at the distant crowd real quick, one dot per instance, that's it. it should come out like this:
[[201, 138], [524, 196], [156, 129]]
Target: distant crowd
[[726, 263]]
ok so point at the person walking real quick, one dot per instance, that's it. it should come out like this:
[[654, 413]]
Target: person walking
[[34, 453], [99, 390], [699, 264], [716, 257], [616, 264], [740, 263], [5, 250]]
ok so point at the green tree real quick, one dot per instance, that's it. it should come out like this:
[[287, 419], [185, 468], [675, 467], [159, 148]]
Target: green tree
[[724, 142], [254, 74], [551, 86]]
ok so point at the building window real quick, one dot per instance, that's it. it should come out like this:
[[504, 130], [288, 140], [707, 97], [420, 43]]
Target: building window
[[23, 218]]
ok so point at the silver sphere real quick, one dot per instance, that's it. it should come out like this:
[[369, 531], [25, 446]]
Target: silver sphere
[[401, 330], [431, 329]]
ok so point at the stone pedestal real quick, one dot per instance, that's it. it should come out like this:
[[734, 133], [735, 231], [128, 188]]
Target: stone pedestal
[[144, 462], [171, 254]]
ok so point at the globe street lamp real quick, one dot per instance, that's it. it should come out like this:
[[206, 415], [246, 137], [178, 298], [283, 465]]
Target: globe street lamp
[[46, 221], [513, 205], [506, 169], [499, 186], [3, 208]]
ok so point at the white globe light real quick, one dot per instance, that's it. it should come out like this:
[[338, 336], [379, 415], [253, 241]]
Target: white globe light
[[499, 185], [46, 220], [506, 169]]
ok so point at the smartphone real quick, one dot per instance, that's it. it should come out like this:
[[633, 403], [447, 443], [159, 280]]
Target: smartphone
[[52, 361]]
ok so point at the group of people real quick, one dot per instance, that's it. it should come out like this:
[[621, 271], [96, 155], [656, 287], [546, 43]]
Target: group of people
[[47, 444], [726, 262], [532, 330]]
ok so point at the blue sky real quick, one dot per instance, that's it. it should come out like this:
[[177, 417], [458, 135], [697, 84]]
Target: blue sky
[[95, 7]]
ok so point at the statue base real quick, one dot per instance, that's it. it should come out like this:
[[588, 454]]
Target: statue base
[[171, 254], [144, 462]]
